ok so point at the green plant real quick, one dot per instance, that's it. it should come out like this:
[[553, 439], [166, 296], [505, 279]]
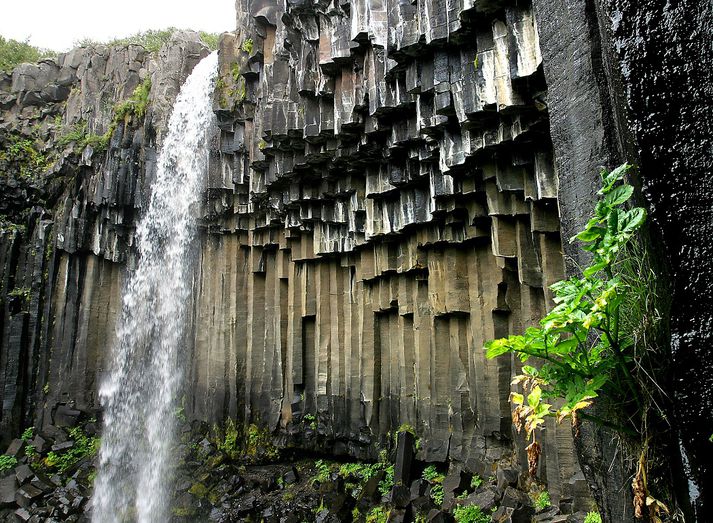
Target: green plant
[[386, 484], [431, 474], [84, 447], [210, 39], [14, 53], [378, 515], [259, 442], [470, 514], [542, 501], [583, 348], [437, 494], [136, 104], [22, 157], [476, 481], [7, 462], [322, 472], [248, 46], [31, 452], [78, 135], [310, 420], [475, 62], [593, 517], [20, 292]]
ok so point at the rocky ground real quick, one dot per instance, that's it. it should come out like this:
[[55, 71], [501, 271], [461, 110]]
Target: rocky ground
[[230, 475]]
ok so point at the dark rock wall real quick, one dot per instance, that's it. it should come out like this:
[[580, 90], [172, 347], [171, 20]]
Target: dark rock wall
[[381, 201], [631, 81], [67, 233], [665, 55]]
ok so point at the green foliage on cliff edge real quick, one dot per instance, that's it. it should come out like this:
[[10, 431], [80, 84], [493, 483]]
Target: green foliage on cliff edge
[[22, 158], [136, 105], [152, 40], [14, 53]]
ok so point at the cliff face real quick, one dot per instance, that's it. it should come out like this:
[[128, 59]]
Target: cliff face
[[381, 202], [70, 197], [382, 199]]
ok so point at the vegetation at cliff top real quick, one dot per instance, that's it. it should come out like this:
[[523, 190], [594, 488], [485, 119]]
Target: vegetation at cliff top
[[151, 40], [14, 53]]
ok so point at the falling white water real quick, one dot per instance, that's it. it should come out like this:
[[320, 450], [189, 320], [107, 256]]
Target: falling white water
[[139, 396]]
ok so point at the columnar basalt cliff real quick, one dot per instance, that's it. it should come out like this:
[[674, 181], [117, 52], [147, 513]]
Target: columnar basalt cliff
[[381, 203], [389, 186], [69, 207]]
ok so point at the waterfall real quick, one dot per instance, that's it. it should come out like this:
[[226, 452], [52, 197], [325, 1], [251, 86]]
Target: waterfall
[[139, 395]]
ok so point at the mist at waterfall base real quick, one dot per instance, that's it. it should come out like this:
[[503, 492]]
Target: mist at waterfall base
[[139, 395]]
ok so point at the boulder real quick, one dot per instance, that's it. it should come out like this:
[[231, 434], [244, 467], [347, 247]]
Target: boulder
[[26, 495], [65, 416], [507, 477], [16, 448], [8, 486], [23, 473]]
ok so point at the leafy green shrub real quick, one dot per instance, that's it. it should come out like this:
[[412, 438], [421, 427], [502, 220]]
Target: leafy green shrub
[[84, 447], [323, 470], [593, 517], [437, 494], [210, 39], [136, 104], [7, 462], [78, 135], [584, 349], [470, 514], [248, 45], [542, 501], [14, 53], [378, 515], [230, 443], [22, 158], [431, 474], [28, 434], [152, 40], [476, 481], [386, 484]]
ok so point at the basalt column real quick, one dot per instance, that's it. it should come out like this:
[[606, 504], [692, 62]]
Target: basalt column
[[382, 201]]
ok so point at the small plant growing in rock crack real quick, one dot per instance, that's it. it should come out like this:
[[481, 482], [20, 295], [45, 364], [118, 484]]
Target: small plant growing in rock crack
[[593, 517], [470, 514], [248, 45], [580, 341], [542, 501], [7, 462], [476, 481], [378, 515], [310, 420]]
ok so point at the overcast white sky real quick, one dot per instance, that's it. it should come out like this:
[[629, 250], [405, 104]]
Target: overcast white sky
[[57, 24]]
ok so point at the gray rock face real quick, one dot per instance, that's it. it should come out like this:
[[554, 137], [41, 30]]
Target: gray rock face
[[383, 197], [381, 201], [73, 220]]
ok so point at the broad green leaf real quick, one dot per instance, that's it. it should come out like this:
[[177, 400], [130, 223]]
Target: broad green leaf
[[619, 195], [632, 220], [496, 348], [533, 399], [517, 399], [589, 234]]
